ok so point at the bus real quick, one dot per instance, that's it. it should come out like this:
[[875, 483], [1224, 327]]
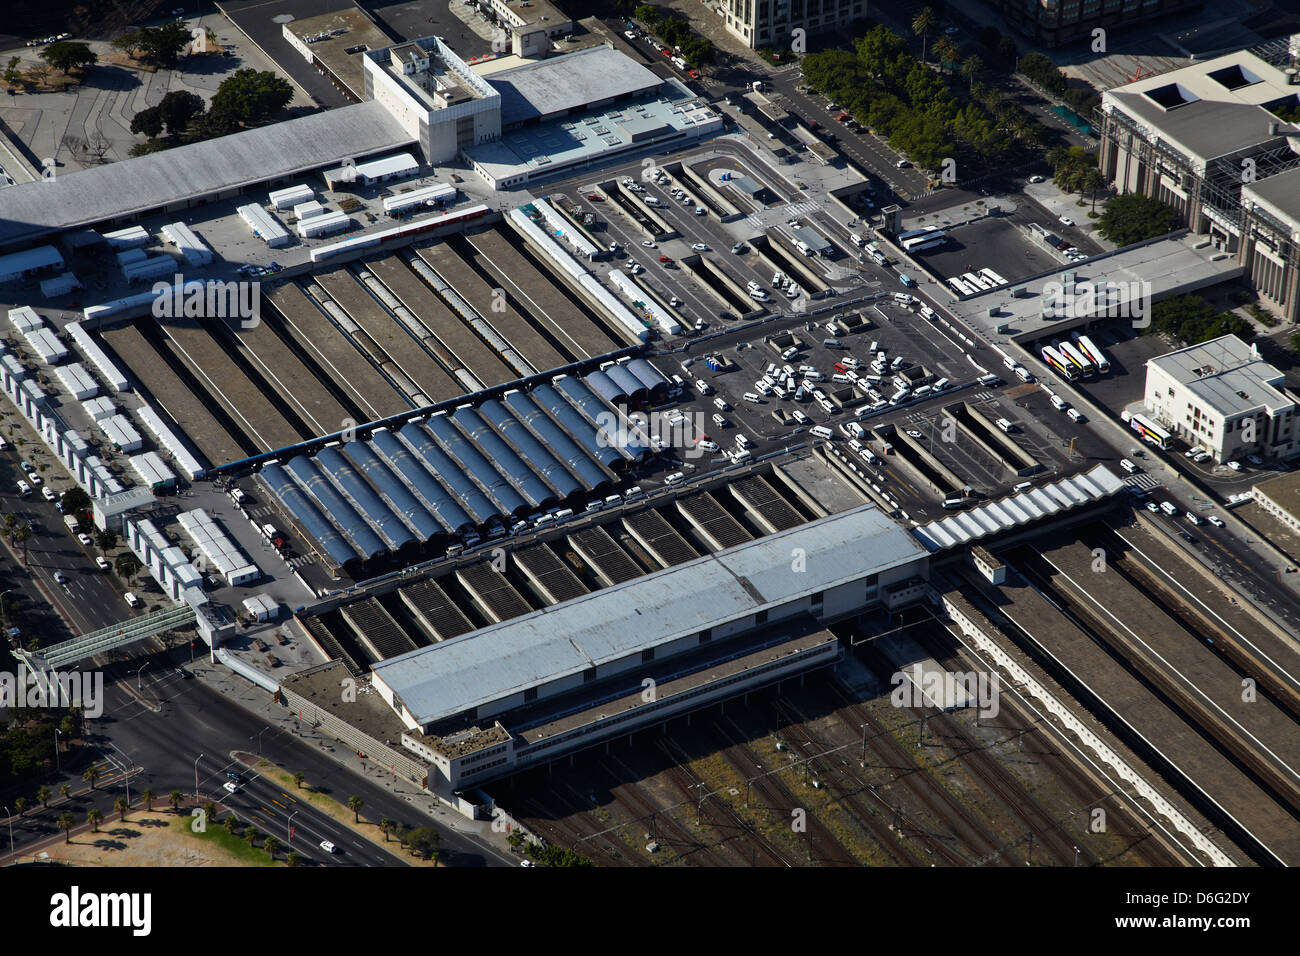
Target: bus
[[1094, 355], [924, 241], [993, 277], [1076, 358], [1149, 430], [1058, 363], [970, 280], [960, 287], [981, 281], [923, 232]]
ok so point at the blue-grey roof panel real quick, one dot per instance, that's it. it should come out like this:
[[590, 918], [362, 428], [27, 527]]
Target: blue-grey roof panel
[[472, 462], [395, 493], [580, 463], [578, 426], [648, 375], [599, 413], [629, 383], [477, 505], [369, 505], [517, 471], [305, 512], [310, 479], [606, 387], [534, 452]]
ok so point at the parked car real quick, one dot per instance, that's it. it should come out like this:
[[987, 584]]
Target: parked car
[[85, 540], [1066, 221]]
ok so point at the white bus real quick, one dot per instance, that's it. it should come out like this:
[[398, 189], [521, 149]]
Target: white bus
[[993, 277], [921, 243], [961, 287], [1094, 355]]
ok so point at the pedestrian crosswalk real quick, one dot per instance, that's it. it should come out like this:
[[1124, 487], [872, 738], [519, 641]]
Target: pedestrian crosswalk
[[301, 561], [261, 511], [1143, 481], [805, 208]]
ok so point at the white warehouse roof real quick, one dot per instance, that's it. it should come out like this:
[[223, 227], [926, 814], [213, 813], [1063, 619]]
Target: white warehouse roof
[[486, 665]]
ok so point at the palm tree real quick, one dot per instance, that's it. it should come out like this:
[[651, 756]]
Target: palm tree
[[1093, 180], [970, 68], [251, 836], [95, 817], [10, 524], [90, 776], [148, 799], [293, 859], [175, 798], [385, 825], [20, 805], [66, 823], [355, 804], [922, 24], [209, 811], [121, 806], [231, 824], [270, 846], [298, 778], [65, 790], [43, 795], [21, 535], [945, 51]]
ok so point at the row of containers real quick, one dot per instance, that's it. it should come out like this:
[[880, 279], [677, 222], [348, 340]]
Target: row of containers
[[419, 487]]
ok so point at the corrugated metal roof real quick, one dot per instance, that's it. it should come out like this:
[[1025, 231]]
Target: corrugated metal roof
[[178, 175], [1019, 509], [473, 669]]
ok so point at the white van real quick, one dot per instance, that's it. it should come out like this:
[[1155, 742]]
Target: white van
[[840, 379], [821, 431], [1005, 425], [675, 478], [753, 398], [1059, 403], [1075, 416], [855, 239], [721, 405], [940, 385], [1023, 486], [1128, 466], [743, 440], [703, 387], [131, 599], [1169, 508], [923, 390]]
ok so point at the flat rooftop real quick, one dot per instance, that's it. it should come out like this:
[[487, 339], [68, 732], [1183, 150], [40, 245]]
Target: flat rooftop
[[1172, 267], [539, 13], [1227, 375], [580, 138], [332, 51], [1278, 195], [183, 174], [443, 680], [1282, 489], [559, 84]]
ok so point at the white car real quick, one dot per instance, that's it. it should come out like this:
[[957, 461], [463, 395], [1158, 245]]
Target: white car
[[48, 494], [35, 479], [101, 562], [649, 244], [914, 433], [708, 444], [674, 301], [328, 847], [1235, 465], [1035, 179], [700, 247], [1217, 522], [60, 577], [84, 539], [1066, 221], [629, 34]]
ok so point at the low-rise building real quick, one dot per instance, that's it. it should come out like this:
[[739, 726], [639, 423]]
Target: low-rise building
[[1222, 396]]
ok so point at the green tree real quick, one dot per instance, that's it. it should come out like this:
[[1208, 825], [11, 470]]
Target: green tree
[[251, 835], [971, 67], [175, 798], [423, 842], [1093, 181], [249, 97], [43, 795], [355, 804], [149, 797], [298, 778], [66, 823], [95, 817], [68, 55], [12, 73], [65, 790], [75, 501], [21, 535], [162, 46], [106, 540], [922, 25], [127, 565], [231, 825], [946, 52], [647, 14], [147, 122], [557, 856], [178, 109], [20, 804], [90, 776], [292, 859], [1133, 217], [271, 845], [121, 806], [515, 839], [129, 43], [385, 826]]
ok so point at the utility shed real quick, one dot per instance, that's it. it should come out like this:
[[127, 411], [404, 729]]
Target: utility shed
[[20, 265]]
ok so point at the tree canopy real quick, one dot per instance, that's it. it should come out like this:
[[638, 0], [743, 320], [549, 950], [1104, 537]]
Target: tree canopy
[[68, 55], [248, 96], [1192, 319], [1133, 217]]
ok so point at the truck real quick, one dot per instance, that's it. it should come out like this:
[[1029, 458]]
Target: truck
[[71, 521]]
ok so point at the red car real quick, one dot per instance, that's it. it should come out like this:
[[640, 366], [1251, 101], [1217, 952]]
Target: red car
[[664, 259], [594, 198], [813, 124], [693, 74], [666, 52], [843, 116], [841, 367]]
